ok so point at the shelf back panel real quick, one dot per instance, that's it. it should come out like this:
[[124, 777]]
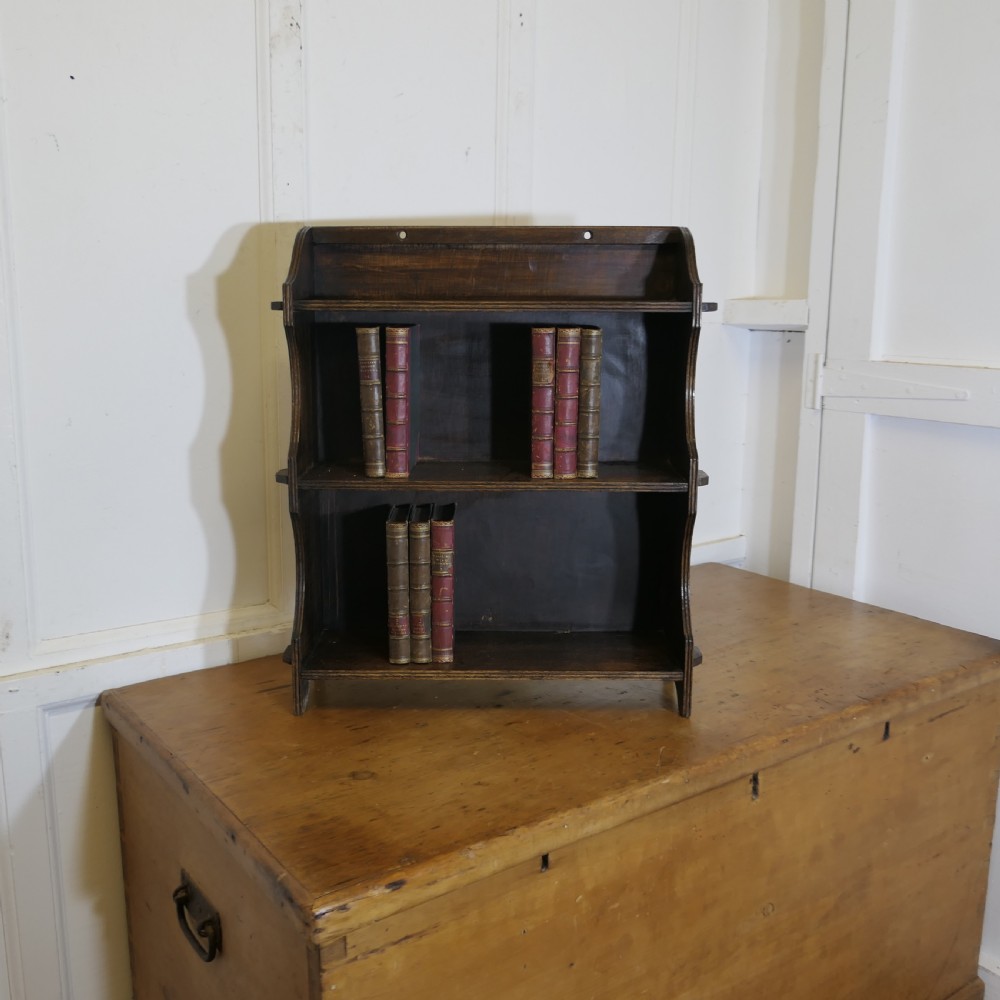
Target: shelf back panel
[[599, 562], [470, 384], [498, 264]]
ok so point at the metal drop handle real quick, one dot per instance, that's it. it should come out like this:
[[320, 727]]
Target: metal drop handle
[[194, 908]]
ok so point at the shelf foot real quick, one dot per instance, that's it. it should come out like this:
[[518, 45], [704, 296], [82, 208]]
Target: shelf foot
[[302, 689], [683, 698]]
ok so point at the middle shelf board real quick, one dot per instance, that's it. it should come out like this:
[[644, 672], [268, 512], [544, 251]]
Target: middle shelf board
[[483, 476]]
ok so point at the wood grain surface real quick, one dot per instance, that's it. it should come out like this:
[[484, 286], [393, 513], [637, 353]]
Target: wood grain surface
[[387, 796]]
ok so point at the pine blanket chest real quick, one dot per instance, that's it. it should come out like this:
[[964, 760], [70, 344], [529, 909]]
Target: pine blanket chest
[[819, 828]]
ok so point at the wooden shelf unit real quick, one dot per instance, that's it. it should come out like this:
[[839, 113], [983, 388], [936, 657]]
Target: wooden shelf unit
[[571, 578]]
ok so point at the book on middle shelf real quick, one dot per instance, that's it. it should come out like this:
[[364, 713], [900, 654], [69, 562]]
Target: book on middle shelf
[[401, 373], [543, 399], [370, 380], [589, 419], [567, 401]]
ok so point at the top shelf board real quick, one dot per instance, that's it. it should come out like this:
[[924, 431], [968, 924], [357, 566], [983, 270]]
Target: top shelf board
[[483, 305], [500, 268]]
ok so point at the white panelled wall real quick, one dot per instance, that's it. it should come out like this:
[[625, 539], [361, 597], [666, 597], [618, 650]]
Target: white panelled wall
[[898, 479], [155, 161]]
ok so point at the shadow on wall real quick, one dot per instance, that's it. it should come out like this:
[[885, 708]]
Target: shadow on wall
[[242, 438], [95, 940]]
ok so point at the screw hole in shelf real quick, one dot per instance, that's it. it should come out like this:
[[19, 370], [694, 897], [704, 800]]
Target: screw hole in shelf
[[587, 234], [402, 234]]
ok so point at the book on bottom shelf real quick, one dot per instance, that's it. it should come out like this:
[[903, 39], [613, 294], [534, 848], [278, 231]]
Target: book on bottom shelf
[[370, 382], [567, 401], [443, 583], [397, 562], [420, 583], [589, 419], [401, 379], [543, 400]]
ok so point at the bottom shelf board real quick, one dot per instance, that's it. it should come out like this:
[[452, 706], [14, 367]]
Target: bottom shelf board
[[498, 655]]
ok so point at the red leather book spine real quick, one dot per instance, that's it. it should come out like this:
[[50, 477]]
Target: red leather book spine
[[420, 584], [370, 378], [589, 421], [397, 564], [567, 401], [443, 584], [543, 400], [397, 402]]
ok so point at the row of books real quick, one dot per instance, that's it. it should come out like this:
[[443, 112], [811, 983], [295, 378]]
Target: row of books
[[385, 431], [565, 401], [420, 576]]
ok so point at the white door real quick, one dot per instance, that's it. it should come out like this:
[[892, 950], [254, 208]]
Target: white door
[[900, 506]]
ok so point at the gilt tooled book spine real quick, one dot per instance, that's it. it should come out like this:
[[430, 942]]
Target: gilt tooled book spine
[[370, 379], [397, 401], [567, 401], [420, 583], [589, 421], [543, 400], [443, 583], [397, 564]]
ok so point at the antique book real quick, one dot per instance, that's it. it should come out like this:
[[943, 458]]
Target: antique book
[[420, 583], [399, 442], [589, 421], [567, 401], [543, 373], [397, 566], [443, 583], [370, 379]]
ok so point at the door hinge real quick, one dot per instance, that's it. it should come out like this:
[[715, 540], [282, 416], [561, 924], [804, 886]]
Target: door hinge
[[872, 380]]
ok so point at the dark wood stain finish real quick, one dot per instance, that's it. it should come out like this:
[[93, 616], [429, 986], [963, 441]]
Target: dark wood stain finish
[[582, 577]]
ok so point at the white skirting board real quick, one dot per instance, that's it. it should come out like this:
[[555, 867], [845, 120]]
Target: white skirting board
[[731, 551], [991, 979]]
